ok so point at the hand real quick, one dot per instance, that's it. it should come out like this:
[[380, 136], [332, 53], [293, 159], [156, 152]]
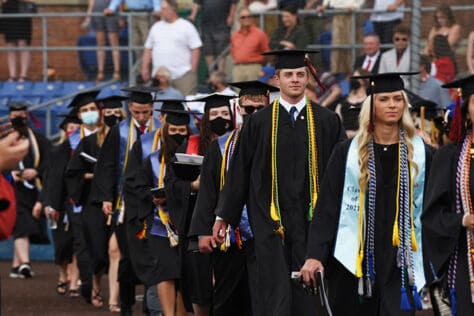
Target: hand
[[145, 75], [37, 210], [12, 150], [195, 184], [308, 271], [157, 15], [392, 7], [88, 175], [230, 20], [107, 208], [107, 11], [468, 221], [320, 8], [16, 176], [159, 201], [351, 8], [288, 44], [192, 18], [54, 215], [29, 174], [218, 231], [206, 244]]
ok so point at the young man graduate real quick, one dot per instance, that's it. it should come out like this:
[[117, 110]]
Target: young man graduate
[[109, 177], [230, 263], [276, 170]]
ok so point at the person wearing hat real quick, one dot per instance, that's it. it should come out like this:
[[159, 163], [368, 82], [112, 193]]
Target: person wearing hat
[[100, 245], [181, 196], [56, 203], [232, 293], [30, 226], [448, 220], [107, 185], [276, 169], [158, 258], [365, 236]]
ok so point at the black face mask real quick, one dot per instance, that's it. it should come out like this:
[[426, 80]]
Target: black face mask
[[111, 120], [354, 84], [220, 125], [212, 87], [155, 82], [178, 138], [18, 122]]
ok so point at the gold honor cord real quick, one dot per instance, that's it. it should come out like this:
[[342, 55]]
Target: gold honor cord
[[361, 234], [275, 213], [164, 216]]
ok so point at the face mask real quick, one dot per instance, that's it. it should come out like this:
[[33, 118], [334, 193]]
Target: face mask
[[179, 138], [90, 118], [354, 84], [18, 122], [212, 87], [111, 120], [220, 125], [155, 82]]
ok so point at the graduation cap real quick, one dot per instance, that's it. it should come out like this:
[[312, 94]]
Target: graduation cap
[[70, 117], [431, 108], [215, 100], [465, 90], [141, 94], [18, 106], [254, 87], [175, 111], [112, 102], [84, 98], [291, 58], [380, 83]]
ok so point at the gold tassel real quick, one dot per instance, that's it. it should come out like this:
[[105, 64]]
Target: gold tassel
[[142, 234], [273, 212], [395, 238], [360, 257]]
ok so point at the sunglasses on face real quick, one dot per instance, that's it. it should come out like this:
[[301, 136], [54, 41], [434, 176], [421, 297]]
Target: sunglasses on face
[[243, 17], [402, 39], [249, 109]]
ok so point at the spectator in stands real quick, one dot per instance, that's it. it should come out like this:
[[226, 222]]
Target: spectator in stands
[[166, 91], [175, 43], [470, 53], [445, 25], [246, 46], [218, 84], [397, 59], [389, 15], [330, 97], [17, 34], [259, 6], [443, 59], [140, 25], [370, 60], [341, 60], [349, 108], [290, 35], [430, 87], [102, 25], [217, 17]]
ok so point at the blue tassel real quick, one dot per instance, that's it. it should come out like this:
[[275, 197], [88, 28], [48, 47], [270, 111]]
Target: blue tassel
[[452, 295], [404, 303], [416, 299], [371, 266]]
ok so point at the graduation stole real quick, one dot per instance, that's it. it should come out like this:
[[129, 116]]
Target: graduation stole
[[227, 145], [463, 205], [159, 170], [36, 156], [312, 166], [76, 137], [355, 241], [150, 142]]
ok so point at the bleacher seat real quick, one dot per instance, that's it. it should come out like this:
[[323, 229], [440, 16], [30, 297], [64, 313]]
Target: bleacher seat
[[28, 98], [15, 88], [47, 90], [113, 89], [75, 87]]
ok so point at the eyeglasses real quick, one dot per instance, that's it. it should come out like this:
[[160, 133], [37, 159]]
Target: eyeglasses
[[249, 109], [402, 39], [243, 17]]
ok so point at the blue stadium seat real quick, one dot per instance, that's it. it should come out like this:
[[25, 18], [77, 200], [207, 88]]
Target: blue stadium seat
[[75, 87], [15, 88], [113, 89], [47, 89], [28, 98], [3, 102]]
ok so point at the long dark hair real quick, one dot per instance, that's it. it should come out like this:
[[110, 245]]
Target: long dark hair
[[206, 135], [169, 146], [446, 11]]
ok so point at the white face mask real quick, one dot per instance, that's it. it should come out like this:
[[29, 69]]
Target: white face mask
[[90, 118]]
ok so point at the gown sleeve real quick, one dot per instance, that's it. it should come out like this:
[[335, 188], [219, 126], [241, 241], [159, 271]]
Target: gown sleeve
[[131, 191], [75, 171]]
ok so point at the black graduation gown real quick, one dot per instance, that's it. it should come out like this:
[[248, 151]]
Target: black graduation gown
[[56, 197], [342, 284], [442, 226], [249, 182], [26, 225]]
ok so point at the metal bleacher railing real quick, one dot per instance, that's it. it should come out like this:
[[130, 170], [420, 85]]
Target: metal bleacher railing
[[46, 48]]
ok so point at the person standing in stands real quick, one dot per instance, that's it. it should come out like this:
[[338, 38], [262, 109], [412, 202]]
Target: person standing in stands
[[388, 16], [276, 170], [30, 226], [108, 181], [175, 43]]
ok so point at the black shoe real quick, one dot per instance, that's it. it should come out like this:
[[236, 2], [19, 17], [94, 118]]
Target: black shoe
[[25, 270], [15, 273]]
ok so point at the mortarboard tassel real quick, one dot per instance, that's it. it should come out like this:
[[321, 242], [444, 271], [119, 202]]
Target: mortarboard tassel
[[313, 71], [452, 296], [36, 121], [404, 303], [142, 234], [455, 132], [416, 299]]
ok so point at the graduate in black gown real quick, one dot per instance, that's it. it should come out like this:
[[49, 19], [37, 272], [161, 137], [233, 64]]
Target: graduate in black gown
[[448, 219], [30, 226], [181, 197], [232, 264], [276, 170], [56, 202], [367, 219], [109, 177]]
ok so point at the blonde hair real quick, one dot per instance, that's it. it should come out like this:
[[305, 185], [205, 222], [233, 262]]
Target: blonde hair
[[365, 137]]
